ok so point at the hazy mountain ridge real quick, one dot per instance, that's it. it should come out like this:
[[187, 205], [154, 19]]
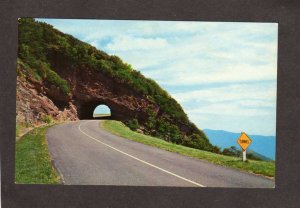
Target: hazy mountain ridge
[[264, 145]]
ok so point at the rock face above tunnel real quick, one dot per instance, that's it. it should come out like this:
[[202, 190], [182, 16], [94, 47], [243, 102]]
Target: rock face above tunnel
[[89, 89]]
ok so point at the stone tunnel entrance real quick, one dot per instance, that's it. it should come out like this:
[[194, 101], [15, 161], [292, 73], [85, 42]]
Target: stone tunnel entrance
[[94, 110], [107, 110]]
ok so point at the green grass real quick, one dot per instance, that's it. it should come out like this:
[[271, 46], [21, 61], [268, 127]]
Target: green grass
[[18, 129], [33, 162], [258, 167]]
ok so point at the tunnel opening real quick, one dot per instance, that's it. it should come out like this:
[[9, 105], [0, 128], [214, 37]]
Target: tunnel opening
[[86, 109], [94, 110], [102, 112]]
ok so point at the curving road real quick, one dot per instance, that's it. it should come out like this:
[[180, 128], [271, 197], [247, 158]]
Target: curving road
[[85, 154]]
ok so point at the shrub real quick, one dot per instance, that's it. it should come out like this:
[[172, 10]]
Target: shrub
[[133, 124], [232, 151], [216, 149], [253, 157], [175, 134], [198, 142], [47, 119]]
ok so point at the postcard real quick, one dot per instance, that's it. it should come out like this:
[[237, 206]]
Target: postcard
[[146, 103]]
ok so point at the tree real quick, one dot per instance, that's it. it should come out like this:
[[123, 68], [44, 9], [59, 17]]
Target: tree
[[232, 151]]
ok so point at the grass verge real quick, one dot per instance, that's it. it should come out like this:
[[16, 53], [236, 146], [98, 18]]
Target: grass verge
[[33, 161], [21, 128], [258, 167], [18, 129]]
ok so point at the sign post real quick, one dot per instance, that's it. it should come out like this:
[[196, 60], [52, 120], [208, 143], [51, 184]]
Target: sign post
[[244, 155], [244, 141]]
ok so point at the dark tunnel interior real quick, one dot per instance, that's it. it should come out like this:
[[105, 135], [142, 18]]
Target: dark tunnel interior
[[86, 111]]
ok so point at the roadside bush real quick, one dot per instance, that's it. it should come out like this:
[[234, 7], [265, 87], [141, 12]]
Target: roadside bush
[[232, 151], [47, 119], [198, 142], [216, 149], [167, 131], [133, 124], [253, 157], [175, 134]]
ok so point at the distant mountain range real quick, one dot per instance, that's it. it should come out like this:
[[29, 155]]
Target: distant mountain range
[[262, 145]]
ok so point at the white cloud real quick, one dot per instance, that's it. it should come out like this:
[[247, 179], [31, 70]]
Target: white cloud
[[230, 93], [230, 110], [199, 73], [239, 100], [203, 58], [126, 43]]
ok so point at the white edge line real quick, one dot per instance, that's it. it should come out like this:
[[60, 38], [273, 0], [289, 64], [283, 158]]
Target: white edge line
[[54, 164], [61, 175], [142, 161]]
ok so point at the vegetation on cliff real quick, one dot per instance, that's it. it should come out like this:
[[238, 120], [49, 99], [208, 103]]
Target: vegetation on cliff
[[40, 43]]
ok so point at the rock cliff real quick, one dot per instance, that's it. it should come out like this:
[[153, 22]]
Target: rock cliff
[[88, 90]]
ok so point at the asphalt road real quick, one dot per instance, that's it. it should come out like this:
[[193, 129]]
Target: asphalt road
[[85, 154]]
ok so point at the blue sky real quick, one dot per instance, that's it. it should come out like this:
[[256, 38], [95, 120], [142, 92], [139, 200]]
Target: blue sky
[[102, 109], [223, 74]]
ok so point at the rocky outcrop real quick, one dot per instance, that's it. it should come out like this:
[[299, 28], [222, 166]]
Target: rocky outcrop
[[89, 88], [33, 105]]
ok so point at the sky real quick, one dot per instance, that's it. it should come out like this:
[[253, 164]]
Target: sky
[[223, 74], [102, 109]]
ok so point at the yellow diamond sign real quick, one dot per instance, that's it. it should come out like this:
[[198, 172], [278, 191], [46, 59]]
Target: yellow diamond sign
[[244, 141]]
